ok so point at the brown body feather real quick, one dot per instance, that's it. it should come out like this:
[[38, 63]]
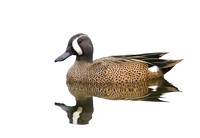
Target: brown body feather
[[119, 69]]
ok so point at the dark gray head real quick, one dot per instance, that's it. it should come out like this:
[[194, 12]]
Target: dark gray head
[[79, 45]]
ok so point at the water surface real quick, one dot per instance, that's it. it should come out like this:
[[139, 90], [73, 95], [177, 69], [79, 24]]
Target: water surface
[[82, 112]]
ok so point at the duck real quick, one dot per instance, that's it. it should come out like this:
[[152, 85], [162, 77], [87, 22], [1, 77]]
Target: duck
[[112, 69]]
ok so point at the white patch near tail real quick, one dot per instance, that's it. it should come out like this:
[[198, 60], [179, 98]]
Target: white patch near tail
[[153, 69], [76, 46], [76, 115], [154, 88]]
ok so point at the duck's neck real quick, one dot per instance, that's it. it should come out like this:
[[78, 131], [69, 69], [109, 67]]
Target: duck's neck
[[85, 59]]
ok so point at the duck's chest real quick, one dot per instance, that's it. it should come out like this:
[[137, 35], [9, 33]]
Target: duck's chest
[[78, 72]]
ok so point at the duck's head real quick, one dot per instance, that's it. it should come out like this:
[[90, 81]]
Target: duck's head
[[79, 45]]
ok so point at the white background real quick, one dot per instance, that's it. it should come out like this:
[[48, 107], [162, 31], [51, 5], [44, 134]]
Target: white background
[[34, 33]]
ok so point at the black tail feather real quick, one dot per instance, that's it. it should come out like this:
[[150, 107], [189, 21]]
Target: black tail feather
[[143, 56], [167, 65]]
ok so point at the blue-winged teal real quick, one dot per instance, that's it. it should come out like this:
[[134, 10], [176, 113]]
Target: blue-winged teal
[[112, 69]]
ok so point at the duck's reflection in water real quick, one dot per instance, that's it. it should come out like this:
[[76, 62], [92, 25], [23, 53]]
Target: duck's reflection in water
[[81, 113]]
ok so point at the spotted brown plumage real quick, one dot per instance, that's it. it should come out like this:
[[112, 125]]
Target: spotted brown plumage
[[108, 70], [112, 69]]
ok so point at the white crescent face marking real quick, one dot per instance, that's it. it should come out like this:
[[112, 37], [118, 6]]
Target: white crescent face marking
[[76, 115], [76, 46]]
